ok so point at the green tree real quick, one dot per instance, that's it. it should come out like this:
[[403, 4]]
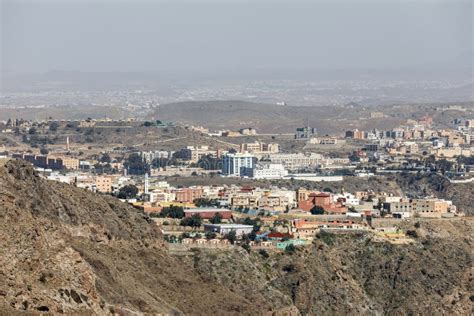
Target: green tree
[[128, 192], [290, 249], [210, 235], [205, 202], [252, 235], [249, 221], [216, 219], [247, 247], [105, 158], [193, 221], [444, 165], [172, 211], [53, 127], [317, 210], [135, 164], [231, 236]]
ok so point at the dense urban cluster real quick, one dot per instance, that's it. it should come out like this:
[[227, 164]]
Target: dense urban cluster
[[275, 215]]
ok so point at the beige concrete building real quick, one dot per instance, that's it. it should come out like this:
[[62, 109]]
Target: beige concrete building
[[451, 152], [70, 163], [429, 207], [259, 148], [103, 184], [419, 207]]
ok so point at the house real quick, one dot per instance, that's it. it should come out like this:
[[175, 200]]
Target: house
[[224, 229], [277, 236], [323, 200]]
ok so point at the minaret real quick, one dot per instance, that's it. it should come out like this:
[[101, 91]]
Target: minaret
[[146, 183], [67, 143]]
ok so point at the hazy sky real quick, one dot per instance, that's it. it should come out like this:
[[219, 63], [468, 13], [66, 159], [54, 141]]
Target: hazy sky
[[204, 35]]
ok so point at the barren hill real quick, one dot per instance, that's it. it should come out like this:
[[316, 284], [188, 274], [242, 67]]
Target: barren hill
[[66, 250], [267, 118]]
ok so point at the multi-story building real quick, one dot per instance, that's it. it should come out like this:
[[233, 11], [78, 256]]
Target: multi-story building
[[46, 161], [355, 134], [259, 148], [69, 163], [305, 132], [149, 156], [237, 164], [268, 171], [244, 200], [103, 184], [418, 207], [188, 195], [296, 161], [194, 153]]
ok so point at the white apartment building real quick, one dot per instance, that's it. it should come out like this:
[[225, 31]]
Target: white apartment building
[[268, 171], [296, 161], [348, 198], [237, 164], [149, 156]]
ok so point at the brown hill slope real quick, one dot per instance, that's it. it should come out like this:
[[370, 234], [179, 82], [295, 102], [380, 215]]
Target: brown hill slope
[[68, 250], [268, 118], [64, 249], [352, 274]]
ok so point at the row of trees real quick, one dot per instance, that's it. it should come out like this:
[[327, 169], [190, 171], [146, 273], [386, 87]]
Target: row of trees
[[136, 165], [177, 212], [206, 202]]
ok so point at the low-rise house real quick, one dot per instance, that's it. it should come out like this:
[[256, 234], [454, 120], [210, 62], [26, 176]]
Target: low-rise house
[[277, 236], [224, 229]]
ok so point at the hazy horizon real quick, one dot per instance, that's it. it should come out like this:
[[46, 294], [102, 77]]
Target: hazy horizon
[[195, 37]]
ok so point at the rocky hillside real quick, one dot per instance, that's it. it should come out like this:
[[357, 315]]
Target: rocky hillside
[[66, 250], [355, 275]]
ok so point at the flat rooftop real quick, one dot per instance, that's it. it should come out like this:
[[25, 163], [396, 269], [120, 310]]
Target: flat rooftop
[[203, 210], [235, 226]]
